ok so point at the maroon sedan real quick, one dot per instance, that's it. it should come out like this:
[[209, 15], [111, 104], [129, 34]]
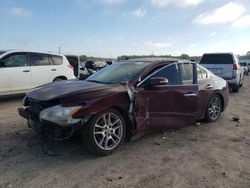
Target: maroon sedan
[[126, 99]]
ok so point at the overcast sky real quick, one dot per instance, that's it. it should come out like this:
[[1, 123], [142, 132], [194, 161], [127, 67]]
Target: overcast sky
[[110, 28]]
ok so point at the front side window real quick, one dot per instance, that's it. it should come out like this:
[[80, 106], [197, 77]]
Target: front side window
[[39, 59], [186, 71], [171, 73], [16, 60]]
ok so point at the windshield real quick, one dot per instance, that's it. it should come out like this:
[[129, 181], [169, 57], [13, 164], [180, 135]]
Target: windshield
[[117, 73]]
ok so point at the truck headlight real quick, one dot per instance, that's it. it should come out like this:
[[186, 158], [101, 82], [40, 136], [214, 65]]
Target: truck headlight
[[59, 114]]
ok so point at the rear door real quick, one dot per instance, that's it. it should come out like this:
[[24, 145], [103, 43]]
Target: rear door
[[219, 64], [15, 75], [41, 70], [56, 66], [172, 105]]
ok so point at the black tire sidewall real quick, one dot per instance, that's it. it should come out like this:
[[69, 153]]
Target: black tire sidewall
[[88, 136]]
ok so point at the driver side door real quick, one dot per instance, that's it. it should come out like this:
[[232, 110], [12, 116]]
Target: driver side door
[[171, 105]]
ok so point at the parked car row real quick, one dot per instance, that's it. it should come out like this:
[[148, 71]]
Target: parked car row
[[246, 67], [108, 103], [125, 100]]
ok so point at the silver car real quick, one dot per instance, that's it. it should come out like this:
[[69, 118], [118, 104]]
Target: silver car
[[226, 66]]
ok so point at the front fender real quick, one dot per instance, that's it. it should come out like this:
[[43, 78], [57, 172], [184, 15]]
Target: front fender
[[98, 105]]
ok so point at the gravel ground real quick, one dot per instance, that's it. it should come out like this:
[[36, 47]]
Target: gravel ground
[[204, 155]]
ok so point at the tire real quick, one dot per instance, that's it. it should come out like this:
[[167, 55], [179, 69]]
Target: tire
[[58, 79], [214, 109], [105, 132], [235, 89]]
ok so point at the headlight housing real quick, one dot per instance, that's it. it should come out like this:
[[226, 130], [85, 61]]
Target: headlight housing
[[60, 115]]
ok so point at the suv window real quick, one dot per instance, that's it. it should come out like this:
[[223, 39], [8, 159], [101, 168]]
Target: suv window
[[15, 60], [56, 60], [171, 73], [39, 59], [186, 70], [217, 59]]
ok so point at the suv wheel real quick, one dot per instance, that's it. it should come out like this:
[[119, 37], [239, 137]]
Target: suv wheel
[[235, 89], [214, 109], [105, 132]]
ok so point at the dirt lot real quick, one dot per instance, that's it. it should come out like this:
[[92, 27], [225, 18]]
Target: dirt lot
[[205, 155]]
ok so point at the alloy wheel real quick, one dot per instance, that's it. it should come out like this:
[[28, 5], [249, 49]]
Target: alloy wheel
[[214, 108], [108, 131]]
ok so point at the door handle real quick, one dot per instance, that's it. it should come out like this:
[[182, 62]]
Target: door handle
[[190, 95], [209, 86], [53, 69], [26, 70]]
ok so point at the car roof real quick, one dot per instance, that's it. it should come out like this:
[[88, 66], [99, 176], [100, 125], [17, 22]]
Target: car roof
[[219, 53], [151, 60], [31, 51], [154, 61]]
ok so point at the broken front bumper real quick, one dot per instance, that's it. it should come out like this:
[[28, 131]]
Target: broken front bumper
[[52, 130]]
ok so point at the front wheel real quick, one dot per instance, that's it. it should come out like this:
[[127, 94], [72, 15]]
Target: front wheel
[[214, 109], [105, 132]]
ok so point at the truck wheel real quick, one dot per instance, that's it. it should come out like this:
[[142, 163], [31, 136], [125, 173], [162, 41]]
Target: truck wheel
[[105, 132]]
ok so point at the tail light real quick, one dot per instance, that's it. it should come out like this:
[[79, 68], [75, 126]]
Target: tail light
[[235, 67], [70, 66]]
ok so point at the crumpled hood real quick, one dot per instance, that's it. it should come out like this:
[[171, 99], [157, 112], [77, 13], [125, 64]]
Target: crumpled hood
[[62, 89]]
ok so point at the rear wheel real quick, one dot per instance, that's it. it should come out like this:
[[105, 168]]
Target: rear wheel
[[105, 132], [58, 79], [214, 109]]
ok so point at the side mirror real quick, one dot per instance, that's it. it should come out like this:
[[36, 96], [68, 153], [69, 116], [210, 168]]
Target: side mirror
[[157, 81]]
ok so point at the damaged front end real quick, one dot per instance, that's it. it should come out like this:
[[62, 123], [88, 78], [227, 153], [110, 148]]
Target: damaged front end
[[51, 119]]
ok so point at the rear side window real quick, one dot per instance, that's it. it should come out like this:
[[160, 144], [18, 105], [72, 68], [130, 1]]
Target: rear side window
[[186, 70], [199, 74], [15, 60], [39, 59], [171, 73], [204, 73], [56, 60], [217, 59]]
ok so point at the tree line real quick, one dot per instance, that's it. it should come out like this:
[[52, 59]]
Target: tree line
[[127, 57]]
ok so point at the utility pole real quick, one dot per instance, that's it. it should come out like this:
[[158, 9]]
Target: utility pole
[[59, 48]]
